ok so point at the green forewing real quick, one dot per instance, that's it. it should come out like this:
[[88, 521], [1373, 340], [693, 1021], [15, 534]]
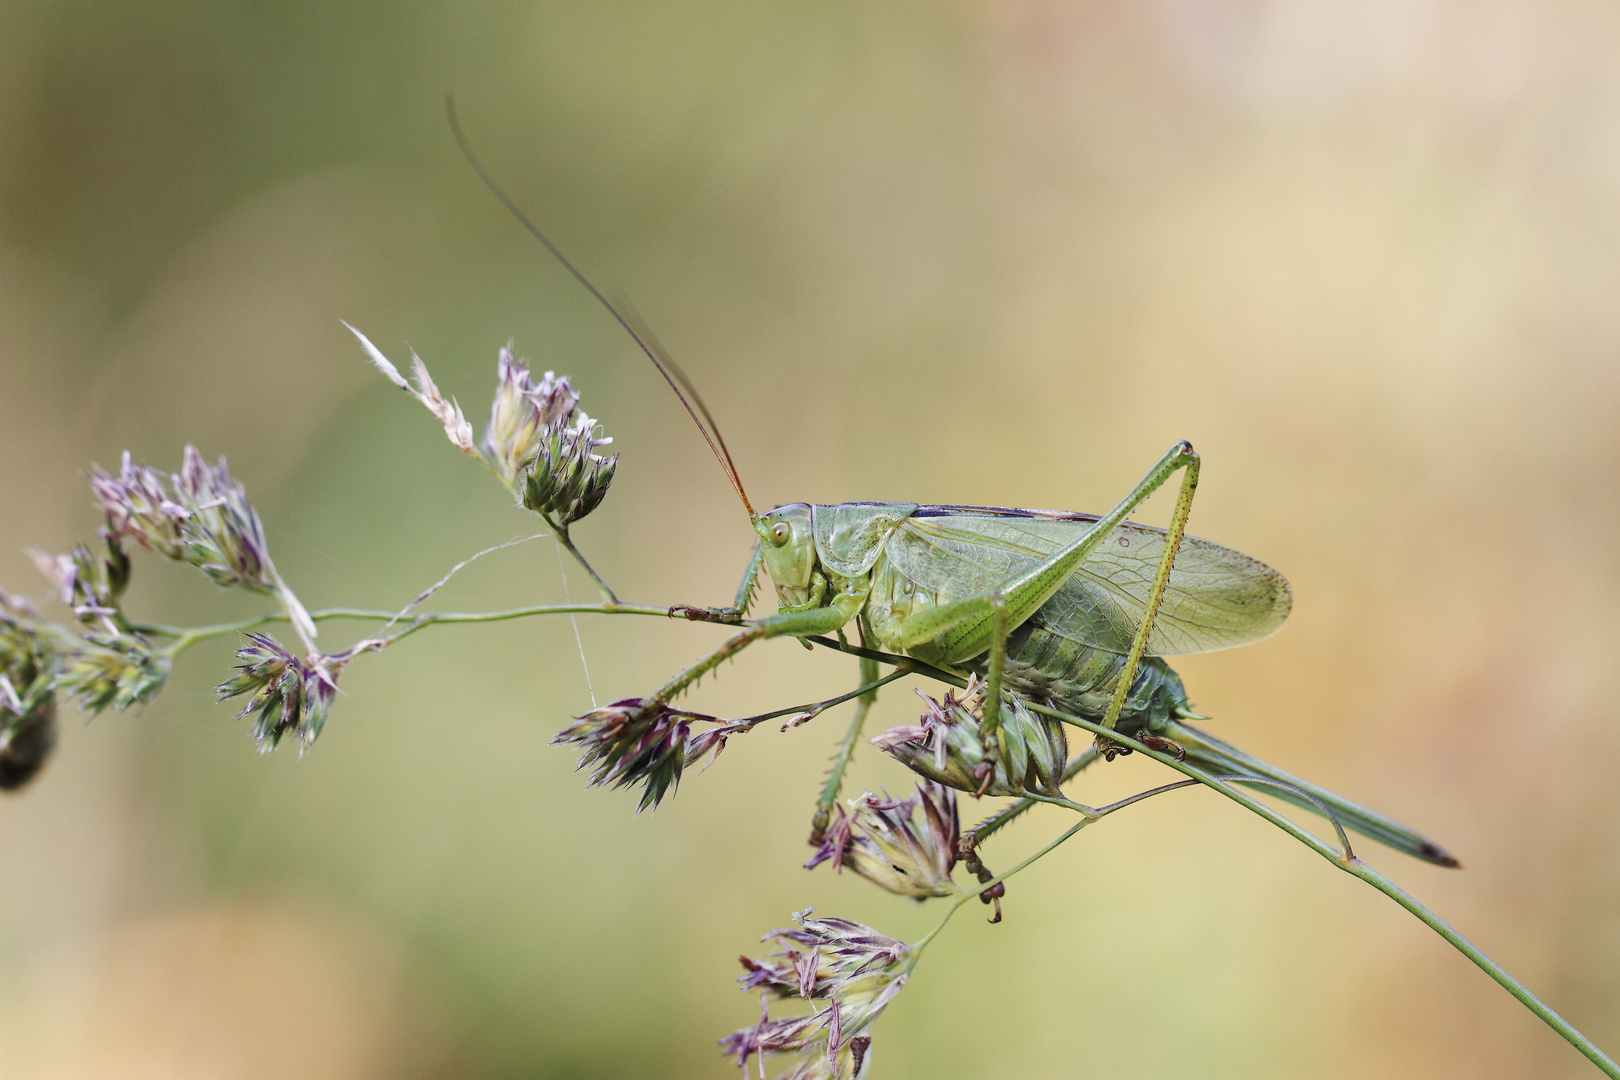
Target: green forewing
[[1216, 598]]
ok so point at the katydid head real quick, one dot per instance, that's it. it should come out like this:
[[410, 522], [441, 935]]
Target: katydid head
[[788, 542]]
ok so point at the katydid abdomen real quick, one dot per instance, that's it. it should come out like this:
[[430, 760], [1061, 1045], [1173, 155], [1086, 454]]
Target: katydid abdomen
[[1047, 666]]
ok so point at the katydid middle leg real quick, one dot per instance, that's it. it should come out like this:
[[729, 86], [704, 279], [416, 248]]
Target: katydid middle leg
[[972, 625], [994, 745], [845, 752], [820, 620]]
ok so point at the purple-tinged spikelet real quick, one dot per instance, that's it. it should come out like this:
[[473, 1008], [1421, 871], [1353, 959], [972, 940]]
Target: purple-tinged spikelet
[[289, 694], [634, 743], [947, 745], [852, 968], [882, 840], [89, 585]]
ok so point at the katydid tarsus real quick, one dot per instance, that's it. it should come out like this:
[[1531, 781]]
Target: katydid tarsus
[[1070, 610]]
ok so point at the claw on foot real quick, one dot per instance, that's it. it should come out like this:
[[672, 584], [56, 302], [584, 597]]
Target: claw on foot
[[1112, 750], [965, 851], [712, 614], [1163, 745]]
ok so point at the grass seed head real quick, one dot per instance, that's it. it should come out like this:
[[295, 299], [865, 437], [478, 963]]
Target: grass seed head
[[854, 969], [884, 841], [198, 515], [948, 745], [289, 694], [634, 743], [539, 443]]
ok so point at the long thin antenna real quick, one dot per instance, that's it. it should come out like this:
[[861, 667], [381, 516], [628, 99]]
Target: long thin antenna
[[641, 338], [628, 312]]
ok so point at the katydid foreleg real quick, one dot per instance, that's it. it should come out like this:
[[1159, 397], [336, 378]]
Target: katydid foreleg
[[734, 613], [821, 620]]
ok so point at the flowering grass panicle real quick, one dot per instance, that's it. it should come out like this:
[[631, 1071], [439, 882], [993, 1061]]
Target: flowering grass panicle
[[542, 445], [539, 443], [633, 744], [852, 968], [289, 694], [948, 745], [206, 520], [882, 840], [116, 669]]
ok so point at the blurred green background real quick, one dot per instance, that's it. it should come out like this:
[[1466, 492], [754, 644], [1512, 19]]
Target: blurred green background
[[1363, 255]]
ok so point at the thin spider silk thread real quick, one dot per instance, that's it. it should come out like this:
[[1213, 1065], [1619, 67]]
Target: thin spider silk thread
[[562, 568]]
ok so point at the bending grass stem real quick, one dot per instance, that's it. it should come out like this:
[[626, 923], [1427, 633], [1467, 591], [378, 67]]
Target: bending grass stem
[[1486, 964], [187, 636], [1008, 814], [1089, 816], [1348, 863], [562, 537], [922, 943], [818, 706]]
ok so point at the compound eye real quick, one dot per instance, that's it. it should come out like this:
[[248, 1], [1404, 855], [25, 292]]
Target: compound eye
[[780, 532]]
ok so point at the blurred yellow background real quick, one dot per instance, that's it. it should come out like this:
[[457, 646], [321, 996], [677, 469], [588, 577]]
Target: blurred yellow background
[[1364, 255]]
